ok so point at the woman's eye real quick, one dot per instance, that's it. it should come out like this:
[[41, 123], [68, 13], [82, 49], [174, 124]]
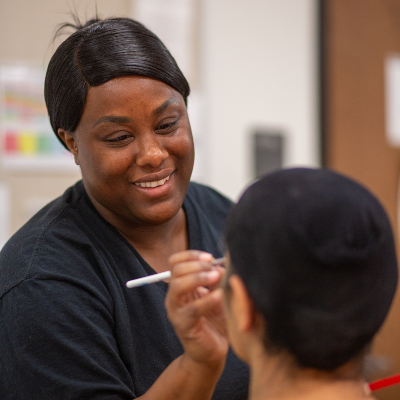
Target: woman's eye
[[119, 138], [164, 127]]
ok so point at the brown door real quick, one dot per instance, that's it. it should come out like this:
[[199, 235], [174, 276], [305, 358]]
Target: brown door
[[357, 36]]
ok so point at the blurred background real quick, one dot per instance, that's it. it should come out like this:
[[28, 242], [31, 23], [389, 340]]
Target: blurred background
[[275, 83]]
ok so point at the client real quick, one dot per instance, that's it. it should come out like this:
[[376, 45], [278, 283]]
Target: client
[[312, 273]]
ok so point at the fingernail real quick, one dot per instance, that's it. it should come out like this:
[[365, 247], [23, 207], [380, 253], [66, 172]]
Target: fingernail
[[213, 274], [205, 257]]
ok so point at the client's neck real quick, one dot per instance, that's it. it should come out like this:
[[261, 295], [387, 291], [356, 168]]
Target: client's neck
[[276, 378]]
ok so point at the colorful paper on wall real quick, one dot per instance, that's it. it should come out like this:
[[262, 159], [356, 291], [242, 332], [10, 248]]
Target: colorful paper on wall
[[27, 139]]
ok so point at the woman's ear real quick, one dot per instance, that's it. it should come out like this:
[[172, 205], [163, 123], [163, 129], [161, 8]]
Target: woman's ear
[[70, 142], [241, 305], [242, 319]]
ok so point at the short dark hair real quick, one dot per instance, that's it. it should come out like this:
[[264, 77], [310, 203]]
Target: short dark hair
[[97, 52], [316, 253]]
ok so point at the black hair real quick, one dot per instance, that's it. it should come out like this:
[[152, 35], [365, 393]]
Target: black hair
[[97, 52], [316, 253]]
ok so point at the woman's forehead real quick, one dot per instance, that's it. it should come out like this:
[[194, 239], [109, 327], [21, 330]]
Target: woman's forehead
[[130, 94]]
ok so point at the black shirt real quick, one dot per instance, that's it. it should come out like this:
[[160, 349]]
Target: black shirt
[[69, 327]]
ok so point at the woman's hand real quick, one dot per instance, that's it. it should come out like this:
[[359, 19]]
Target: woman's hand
[[194, 306]]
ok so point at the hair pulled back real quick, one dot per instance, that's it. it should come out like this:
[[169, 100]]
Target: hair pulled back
[[97, 52], [317, 255]]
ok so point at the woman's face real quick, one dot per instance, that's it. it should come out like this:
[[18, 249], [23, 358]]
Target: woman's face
[[135, 150]]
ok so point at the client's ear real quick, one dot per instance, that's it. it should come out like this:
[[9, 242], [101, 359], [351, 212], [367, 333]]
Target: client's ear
[[242, 305]]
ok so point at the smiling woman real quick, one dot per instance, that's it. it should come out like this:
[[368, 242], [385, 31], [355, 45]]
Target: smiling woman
[[117, 101], [135, 149]]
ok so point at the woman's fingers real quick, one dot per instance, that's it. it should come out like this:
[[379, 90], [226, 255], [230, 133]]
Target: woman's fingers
[[201, 291], [198, 275], [206, 305], [204, 313], [189, 255], [190, 267], [184, 288], [221, 280], [194, 306], [190, 262], [193, 276]]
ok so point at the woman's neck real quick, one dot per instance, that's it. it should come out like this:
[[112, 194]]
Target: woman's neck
[[274, 378], [156, 243]]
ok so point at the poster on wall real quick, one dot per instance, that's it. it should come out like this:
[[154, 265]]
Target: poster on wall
[[27, 140]]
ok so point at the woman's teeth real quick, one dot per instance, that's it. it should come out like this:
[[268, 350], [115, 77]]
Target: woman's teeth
[[153, 184]]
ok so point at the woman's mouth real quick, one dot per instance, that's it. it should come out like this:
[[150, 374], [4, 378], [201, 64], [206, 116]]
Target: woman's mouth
[[153, 184]]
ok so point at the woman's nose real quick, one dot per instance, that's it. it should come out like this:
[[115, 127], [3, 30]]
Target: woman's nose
[[151, 152]]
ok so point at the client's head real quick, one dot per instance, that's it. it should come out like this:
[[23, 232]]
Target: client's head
[[314, 253]]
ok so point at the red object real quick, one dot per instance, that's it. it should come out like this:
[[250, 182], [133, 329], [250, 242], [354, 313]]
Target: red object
[[382, 383], [10, 143]]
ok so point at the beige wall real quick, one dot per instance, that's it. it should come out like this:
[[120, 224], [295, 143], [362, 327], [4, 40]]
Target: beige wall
[[27, 26], [26, 31], [260, 68]]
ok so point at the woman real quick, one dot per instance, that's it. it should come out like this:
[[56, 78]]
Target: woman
[[312, 273], [70, 327]]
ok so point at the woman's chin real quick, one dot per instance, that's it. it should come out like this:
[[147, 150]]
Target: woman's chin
[[161, 216]]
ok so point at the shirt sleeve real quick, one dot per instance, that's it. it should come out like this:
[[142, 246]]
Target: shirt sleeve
[[57, 342]]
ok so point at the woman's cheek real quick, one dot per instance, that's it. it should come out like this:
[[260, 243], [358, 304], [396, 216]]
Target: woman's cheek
[[185, 145]]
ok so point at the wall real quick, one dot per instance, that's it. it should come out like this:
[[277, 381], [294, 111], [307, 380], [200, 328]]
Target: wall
[[259, 65]]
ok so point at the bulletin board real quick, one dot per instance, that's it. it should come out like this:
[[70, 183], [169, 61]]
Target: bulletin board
[[28, 142]]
